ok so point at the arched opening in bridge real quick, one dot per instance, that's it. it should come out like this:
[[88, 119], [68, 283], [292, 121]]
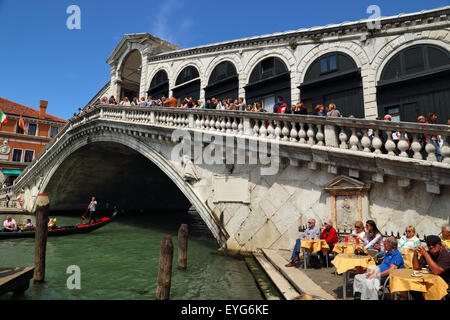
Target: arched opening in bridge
[[334, 78], [187, 84], [117, 176], [159, 86], [223, 82], [414, 82], [270, 78], [131, 75]]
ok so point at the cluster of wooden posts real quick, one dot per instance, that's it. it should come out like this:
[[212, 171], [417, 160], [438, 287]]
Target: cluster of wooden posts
[[165, 261]]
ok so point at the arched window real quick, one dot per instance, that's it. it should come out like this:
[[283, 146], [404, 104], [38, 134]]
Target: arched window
[[415, 82], [223, 82], [159, 86], [185, 85], [334, 78], [131, 75], [415, 60], [187, 74], [269, 79]]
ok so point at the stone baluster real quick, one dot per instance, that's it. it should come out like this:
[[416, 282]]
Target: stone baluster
[[234, 126], [263, 130], [430, 148], [445, 151], [228, 124], [240, 127], [256, 128], [376, 141], [270, 130], [403, 145], [343, 138], [277, 131], [416, 147], [218, 124], [223, 125], [320, 136], [353, 141], [310, 134], [285, 131], [293, 134], [302, 133], [211, 123], [365, 141], [390, 144]]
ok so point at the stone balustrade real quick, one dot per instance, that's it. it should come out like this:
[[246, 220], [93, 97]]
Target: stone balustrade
[[374, 136], [360, 135]]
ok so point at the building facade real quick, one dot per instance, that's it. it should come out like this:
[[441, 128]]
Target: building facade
[[20, 147], [399, 65]]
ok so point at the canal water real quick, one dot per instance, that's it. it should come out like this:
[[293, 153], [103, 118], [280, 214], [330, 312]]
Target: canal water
[[120, 261]]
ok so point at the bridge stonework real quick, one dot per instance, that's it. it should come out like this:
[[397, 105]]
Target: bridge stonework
[[244, 207]]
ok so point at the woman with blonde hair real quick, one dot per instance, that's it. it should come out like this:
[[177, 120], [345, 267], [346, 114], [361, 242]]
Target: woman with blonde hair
[[359, 231], [409, 240], [333, 112]]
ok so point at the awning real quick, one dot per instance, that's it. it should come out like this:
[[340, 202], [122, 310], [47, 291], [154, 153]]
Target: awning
[[12, 172]]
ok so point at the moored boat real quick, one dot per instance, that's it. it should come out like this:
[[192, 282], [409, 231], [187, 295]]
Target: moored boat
[[62, 230]]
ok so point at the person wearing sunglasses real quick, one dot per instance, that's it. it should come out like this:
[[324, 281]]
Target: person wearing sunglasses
[[359, 231], [409, 240]]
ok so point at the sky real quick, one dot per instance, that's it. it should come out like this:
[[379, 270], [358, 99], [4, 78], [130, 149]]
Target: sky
[[42, 59]]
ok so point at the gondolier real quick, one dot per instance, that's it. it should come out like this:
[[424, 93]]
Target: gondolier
[[92, 206]]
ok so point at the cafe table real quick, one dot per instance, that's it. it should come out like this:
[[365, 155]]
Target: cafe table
[[432, 286], [313, 246], [344, 262], [348, 247]]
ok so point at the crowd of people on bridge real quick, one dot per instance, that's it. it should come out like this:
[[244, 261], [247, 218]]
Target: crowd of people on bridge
[[434, 254]]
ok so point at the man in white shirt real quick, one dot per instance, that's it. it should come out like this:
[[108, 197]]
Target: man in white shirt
[[92, 206]]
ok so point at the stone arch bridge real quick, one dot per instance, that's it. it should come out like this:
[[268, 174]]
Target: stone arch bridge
[[253, 177]]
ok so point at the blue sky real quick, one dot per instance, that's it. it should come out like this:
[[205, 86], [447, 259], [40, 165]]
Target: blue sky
[[40, 58]]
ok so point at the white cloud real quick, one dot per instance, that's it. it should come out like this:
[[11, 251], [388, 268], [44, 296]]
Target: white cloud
[[167, 23]]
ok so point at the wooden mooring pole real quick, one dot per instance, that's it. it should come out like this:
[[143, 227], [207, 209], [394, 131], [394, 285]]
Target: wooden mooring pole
[[40, 242], [165, 269], [182, 246]]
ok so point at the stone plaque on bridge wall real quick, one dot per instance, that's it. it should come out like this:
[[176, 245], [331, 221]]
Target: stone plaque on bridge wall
[[231, 188], [348, 201]]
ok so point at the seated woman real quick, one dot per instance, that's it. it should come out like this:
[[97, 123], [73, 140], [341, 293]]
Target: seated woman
[[409, 240], [51, 224], [374, 238], [359, 231]]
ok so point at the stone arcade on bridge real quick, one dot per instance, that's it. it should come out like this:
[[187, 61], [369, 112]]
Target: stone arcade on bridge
[[401, 69]]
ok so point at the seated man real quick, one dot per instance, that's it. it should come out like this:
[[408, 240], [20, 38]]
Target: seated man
[[366, 285], [311, 232], [329, 234], [437, 258], [9, 225]]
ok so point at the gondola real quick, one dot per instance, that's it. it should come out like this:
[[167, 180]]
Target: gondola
[[62, 231]]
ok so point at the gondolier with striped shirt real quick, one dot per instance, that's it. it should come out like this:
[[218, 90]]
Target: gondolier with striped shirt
[[92, 206]]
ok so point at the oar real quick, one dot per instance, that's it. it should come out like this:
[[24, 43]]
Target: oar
[[82, 217]]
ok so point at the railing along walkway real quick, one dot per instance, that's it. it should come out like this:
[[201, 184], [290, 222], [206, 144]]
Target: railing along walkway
[[360, 135]]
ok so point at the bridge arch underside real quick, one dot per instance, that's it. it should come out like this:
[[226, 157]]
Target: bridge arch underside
[[117, 176]]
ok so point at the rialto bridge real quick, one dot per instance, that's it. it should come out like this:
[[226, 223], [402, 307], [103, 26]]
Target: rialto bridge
[[253, 177]]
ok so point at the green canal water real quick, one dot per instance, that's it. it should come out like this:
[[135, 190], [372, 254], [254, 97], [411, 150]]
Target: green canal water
[[120, 261]]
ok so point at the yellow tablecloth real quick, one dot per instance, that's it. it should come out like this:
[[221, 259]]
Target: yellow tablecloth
[[347, 247], [433, 287], [346, 261], [315, 245]]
